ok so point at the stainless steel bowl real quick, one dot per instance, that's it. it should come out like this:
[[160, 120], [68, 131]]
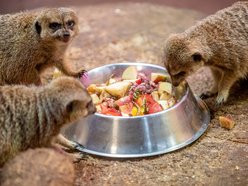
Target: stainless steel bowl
[[141, 136]]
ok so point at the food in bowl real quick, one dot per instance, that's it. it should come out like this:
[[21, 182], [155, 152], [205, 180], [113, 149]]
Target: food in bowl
[[133, 93]]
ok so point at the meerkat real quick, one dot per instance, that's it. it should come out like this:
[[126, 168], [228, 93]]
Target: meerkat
[[219, 41], [32, 41], [32, 116], [38, 167]]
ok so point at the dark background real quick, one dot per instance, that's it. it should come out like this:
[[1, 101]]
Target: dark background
[[207, 6]]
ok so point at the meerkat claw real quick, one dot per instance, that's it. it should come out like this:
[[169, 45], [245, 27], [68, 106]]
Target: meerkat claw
[[207, 94], [219, 101], [82, 73], [77, 157], [78, 147]]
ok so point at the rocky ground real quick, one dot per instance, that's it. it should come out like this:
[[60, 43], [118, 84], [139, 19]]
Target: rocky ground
[[135, 32]]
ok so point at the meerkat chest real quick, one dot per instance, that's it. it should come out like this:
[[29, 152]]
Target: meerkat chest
[[59, 52]]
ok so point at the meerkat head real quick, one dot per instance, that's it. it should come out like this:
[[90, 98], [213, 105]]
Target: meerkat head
[[73, 99], [183, 56], [57, 25]]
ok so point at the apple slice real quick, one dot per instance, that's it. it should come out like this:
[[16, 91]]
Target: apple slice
[[157, 77], [165, 95], [93, 89], [155, 95], [164, 104], [118, 89], [164, 86], [129, 73]]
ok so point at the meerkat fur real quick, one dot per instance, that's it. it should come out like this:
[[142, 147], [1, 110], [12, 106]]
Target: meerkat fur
[[219, 41], [32, 41], [32, 116]]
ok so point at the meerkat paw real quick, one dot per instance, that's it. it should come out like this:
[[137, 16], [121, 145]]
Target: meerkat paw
[[221, 99], [78, 156], [82, 73], [66, 143], [74, 146], [207, 94]]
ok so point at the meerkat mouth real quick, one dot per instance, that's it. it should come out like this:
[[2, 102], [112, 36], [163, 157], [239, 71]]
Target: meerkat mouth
[[65, 39]]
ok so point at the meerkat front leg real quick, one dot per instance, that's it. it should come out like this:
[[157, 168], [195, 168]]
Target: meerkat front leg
[[217, 75], [60, 139], [225, 84], [75, 148], [65, 69]]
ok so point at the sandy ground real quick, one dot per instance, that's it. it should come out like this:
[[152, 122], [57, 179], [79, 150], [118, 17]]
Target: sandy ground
[[135, 32]]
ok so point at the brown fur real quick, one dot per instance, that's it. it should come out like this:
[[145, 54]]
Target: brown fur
[[38, 167], [220, 42], [32, 116], [30, 43]]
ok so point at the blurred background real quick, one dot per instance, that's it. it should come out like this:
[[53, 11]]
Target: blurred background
[[207, 7]]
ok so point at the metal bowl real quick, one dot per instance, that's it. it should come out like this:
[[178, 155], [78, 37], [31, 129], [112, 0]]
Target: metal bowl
[[141, 136]]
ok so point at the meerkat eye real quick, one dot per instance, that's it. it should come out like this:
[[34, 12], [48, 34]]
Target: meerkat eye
[[70, 23], [55, 26], [197, 57], [180, 74]]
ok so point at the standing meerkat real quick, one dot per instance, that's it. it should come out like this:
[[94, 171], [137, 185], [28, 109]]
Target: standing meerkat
[[220, 42], [32, 116], [32, 41]]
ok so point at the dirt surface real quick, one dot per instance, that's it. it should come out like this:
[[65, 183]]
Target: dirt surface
[[135, 32]]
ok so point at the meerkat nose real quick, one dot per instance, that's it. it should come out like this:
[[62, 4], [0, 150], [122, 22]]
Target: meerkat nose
[[91, 108], [66, 36], [175, 83]]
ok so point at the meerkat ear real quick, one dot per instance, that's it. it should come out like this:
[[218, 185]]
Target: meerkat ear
[[197, 57], [38, 27]]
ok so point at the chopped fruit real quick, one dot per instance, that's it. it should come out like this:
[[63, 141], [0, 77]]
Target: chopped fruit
[[164, 104], [148, 104], [171, 102], [157, 77], [118, 89], [130, 80], [138, 81], [98, 108], [104, 95], [226, 122], [164, 86], [111, 81], [154, 107], [94, 89], [110, 111], [132, 94], [130, 73], [127, 108], [165, 96], [95, 99], [155, 95], [123, 100], [134, 111]]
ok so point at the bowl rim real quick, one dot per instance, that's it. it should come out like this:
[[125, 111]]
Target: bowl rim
[[183, 98]]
